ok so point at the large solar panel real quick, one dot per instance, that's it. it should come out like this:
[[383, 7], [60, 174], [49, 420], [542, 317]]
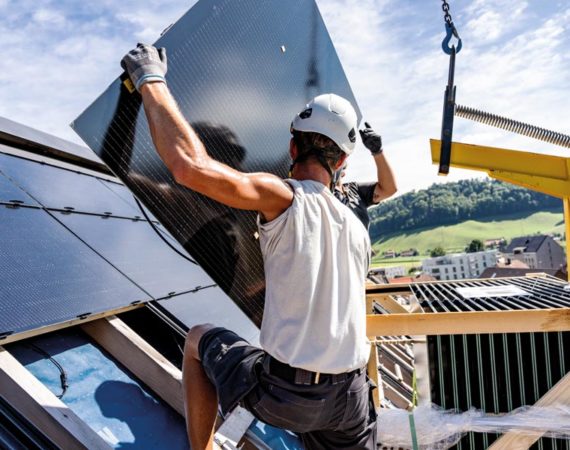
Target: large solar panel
[[240, 70], [24, 136]]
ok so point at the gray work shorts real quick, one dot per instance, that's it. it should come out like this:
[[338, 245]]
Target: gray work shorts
[[336, 413]]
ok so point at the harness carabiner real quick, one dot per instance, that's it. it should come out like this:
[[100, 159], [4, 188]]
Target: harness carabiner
[[451, 31]]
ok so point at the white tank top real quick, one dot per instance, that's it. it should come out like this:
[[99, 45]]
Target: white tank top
[[316, 256]]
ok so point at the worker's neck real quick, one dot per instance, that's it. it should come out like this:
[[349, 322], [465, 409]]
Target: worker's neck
[[311, 171]]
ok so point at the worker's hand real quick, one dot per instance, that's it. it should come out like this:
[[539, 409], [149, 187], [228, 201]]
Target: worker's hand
[[371, 140], [145, 64]]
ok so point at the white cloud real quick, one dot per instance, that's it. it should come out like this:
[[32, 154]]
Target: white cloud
[[489, 21], [48, 17], [521, 71], [514, 63]]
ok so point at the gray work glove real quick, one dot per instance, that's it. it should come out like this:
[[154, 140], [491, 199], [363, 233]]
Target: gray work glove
[[145, 64], [371, 140]]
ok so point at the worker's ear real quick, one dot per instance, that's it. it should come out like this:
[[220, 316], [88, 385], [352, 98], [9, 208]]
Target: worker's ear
[[293, 150], [340, 162]]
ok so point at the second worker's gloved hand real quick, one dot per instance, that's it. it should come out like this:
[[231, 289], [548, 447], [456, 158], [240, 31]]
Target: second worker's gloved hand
[[144, 64], [371, 140]]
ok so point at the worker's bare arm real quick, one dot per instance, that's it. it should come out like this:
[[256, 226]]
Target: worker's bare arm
[[386, 185], [188, 161]]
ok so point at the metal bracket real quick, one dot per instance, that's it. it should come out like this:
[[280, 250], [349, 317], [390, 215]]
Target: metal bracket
[[448, 115], [233, 429]]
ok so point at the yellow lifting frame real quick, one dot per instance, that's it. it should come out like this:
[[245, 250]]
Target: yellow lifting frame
[[543, 173]]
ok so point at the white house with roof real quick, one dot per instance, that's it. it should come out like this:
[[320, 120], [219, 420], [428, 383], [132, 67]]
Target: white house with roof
[[459, 266]]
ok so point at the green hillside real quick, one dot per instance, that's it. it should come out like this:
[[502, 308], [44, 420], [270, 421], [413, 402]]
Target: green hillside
[[453, 203], [456, 237]]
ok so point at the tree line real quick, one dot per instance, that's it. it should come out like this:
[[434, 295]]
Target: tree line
[[450, 203]]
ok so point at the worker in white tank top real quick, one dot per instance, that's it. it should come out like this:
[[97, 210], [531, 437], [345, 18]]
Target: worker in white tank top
[[310, 378], [316, 257]]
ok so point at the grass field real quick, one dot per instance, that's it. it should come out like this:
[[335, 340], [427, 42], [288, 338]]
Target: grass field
[[454, 238], [408, 263]]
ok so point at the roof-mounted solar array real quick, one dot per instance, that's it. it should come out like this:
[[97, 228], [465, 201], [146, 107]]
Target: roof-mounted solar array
[[74, 245], [240, 71]]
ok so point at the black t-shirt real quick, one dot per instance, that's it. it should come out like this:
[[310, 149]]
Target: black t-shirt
[[358, 197]]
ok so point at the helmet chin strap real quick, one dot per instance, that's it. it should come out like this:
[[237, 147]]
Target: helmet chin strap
[[317, 153]]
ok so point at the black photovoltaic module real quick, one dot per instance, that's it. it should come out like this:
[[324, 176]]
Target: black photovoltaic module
[[495, 372], [73, 244], [240, 70]]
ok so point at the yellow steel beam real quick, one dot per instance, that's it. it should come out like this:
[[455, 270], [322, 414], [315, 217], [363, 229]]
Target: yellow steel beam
[[566, 202], [477, 157], [544, 173], [550, 186]]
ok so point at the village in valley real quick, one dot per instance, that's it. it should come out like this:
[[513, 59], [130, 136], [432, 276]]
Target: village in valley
[[491, 258]]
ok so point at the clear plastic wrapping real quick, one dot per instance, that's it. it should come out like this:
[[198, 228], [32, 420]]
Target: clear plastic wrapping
[[438, 429]]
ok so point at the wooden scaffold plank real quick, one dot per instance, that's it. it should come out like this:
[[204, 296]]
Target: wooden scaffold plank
[[472, 322]]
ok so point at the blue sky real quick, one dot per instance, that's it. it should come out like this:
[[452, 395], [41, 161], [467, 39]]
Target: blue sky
[[59, 56]]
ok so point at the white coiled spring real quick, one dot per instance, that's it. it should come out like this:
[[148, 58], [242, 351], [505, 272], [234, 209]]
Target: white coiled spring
[[514, 126]]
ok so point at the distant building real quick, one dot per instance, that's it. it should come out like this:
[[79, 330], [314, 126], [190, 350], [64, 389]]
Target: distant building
[[410, 252], [537, 252], [421, 278], [493, 243], [389, 272], [389, 254], [459, 265]]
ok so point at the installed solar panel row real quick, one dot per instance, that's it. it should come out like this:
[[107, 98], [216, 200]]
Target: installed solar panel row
[[73, 244]]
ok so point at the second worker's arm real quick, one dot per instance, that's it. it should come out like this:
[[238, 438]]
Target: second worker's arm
[[386, 182]]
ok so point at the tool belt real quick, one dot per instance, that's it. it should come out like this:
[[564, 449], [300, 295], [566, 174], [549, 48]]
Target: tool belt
[[302, 376]]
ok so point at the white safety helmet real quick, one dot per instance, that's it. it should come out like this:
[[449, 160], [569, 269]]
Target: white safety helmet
[[331, 116]]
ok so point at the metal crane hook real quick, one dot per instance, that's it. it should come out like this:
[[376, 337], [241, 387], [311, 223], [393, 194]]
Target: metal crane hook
[[450, 32]]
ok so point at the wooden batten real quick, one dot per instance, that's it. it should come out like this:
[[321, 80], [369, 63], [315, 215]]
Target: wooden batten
[[137, 355], [387, 302], [472, 322], [374, 375], [41, 407]]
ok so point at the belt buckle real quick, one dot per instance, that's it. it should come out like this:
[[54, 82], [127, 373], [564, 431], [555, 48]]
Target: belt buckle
[[305, 377]]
